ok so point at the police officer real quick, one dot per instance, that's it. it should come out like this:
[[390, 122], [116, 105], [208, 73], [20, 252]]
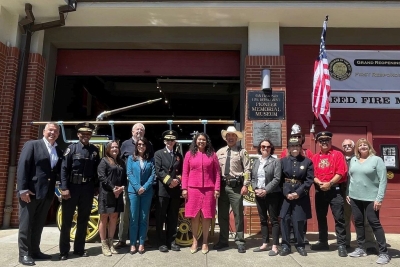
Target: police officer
[[235, 169], [78, 182], [168, 170], [297, 178]]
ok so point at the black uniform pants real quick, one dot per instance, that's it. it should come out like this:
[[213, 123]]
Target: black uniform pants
[[334, 199], [81, 197], [167, 210], [269, 205], [298, 231], [32, 218]]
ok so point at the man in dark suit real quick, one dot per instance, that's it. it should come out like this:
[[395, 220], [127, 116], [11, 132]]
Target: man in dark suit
[[168, 170], [38, 169]]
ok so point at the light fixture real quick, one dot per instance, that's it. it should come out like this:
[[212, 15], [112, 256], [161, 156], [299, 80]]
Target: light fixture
[[71, 6], [266, 82]]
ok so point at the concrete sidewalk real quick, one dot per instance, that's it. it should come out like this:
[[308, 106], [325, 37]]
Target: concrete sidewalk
[[230, 257]]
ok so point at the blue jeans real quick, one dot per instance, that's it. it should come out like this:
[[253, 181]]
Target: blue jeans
[[139, 216]]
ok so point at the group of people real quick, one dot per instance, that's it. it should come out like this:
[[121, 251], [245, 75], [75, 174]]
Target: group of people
[[127, 177]]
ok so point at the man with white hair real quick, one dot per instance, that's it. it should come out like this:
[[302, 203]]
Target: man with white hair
[[127, 149]]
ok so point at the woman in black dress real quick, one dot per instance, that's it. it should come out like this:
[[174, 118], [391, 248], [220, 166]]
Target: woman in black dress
[[112, 176]]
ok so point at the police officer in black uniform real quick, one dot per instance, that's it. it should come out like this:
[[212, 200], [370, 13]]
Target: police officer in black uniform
[[297, 178], [78, 183], [168, 170]]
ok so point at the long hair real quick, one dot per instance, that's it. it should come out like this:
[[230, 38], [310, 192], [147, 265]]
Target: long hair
[[209, 149], [146, 154], [360, 141], [109, 157], [270, 143]]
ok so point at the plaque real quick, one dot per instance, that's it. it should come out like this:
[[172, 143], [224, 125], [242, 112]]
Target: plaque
[[270, 130], [266, 107]]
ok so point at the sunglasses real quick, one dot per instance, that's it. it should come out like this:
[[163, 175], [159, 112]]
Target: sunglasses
[[324, 140], [347, 145], [264, 147], [141, 144]]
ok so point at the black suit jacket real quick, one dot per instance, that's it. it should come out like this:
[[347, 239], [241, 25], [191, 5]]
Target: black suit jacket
[[34, 171], [167, 169]]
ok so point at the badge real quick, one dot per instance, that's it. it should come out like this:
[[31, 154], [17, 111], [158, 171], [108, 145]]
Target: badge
[[67, 151], [302, 167]]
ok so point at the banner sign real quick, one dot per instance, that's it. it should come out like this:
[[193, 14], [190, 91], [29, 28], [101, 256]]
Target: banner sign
[[356, 70], [365, 100]]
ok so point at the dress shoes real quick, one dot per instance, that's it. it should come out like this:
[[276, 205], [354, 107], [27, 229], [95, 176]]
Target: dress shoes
[[320, 246], [81, 253], [120, 244], [342, 251], [41, 256], [241, 248], [259, 249], [26, 260], [175, 247], [285, 251], [141, 251], [163, 248], [220, 245], [302, 251], [63, 256]]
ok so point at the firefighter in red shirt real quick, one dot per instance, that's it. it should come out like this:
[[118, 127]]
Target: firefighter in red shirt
[[330, 170]]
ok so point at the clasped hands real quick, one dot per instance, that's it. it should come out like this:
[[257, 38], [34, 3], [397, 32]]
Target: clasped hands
[[292, 196], [260, 192], [175, 182], [118, 190]]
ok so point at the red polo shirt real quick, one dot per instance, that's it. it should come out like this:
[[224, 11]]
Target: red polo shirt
[[327, 165]]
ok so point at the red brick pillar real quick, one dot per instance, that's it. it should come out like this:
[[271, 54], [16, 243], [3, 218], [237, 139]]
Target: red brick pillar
[[253, 72], [8, 79]]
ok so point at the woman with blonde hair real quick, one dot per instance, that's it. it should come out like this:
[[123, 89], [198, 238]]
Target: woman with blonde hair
[[366, 191]]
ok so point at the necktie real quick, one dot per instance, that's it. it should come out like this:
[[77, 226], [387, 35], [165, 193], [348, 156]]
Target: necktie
[[228, 163]]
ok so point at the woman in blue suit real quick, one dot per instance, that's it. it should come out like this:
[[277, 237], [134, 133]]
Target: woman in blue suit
[[141, 174]]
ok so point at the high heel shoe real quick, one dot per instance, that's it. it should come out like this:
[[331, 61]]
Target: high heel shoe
[[142, 251], [194, 250], [204, 251], [133, 252]]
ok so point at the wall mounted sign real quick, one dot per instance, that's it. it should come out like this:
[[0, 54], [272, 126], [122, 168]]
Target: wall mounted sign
[[270, 130], [365, 100], [263, 107], [390, 155]]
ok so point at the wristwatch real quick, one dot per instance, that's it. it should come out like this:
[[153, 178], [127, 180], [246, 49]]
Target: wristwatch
[[330, 183]]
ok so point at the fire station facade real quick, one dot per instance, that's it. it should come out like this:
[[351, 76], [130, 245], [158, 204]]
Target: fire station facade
[[200, 39]]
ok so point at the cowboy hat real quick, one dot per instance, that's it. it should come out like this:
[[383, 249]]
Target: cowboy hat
[[231, 129]]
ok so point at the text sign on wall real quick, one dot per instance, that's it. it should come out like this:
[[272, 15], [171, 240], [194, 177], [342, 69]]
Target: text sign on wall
[[270, 130], [365, 100], [364, 70], [263, 107]]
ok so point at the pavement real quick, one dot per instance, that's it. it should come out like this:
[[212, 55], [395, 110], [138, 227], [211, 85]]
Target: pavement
[[229, 257]]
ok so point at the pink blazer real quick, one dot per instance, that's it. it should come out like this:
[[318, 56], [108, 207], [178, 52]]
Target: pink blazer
[[201, 171]]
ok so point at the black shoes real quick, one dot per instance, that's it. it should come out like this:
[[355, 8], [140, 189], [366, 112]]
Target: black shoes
[[220, 245], [285, 251], [241, 248], [302, 251], [81, 253], [259, 249], [175, 247], [41, 256], [120, 244], [63, 256], [26, 260], [342, 251], [163, 248], [320, 246]]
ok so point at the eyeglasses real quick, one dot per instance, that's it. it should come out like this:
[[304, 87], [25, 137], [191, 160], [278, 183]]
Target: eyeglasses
[[141, 144], [324, 140], [264, 147], [349, 145]]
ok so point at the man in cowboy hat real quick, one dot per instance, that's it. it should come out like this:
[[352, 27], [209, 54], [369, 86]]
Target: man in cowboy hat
[[168, 164], [235, 171]]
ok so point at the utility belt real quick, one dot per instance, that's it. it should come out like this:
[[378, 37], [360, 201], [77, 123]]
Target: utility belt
[[79, 179], [232, 181], [293, 181]]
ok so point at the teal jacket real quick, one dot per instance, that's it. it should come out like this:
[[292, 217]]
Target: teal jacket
[[140, 178]]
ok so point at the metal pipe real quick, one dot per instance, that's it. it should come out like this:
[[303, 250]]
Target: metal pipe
[[105, 114], [143, 122]]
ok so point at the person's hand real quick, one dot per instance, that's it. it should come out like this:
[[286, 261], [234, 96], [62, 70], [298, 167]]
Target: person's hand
[[257, 192], [348, 200], [244, 190], [174, 183], [262, 193], [289, 196], [325, 186], [295, 195], [26, 196], [184, 194], [216, 194], [65, 194], [141, 191], [377, 205]]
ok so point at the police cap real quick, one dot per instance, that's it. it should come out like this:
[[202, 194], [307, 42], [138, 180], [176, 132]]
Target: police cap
[[324, 135], [85, 127], [170, 135]]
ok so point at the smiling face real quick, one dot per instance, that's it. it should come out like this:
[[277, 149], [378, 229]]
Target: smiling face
[[138, 131], [325, 144], [201, 143], [231, 139], [114, 150], [141, 147], [170, 144], [294, 150], [363, 148], [51, 133], [84, 137], [265, 149], [348, 147]]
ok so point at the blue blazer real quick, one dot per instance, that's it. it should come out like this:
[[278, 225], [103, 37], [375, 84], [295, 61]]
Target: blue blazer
[[140, 178]]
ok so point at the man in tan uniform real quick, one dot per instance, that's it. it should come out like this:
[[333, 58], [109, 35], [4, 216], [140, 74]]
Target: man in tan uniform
[[235, 172]]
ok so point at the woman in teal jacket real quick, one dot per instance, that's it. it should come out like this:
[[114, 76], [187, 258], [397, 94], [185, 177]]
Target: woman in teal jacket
[[141, 174]]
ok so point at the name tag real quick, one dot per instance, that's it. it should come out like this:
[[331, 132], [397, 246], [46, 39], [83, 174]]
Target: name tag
[[337, 187]]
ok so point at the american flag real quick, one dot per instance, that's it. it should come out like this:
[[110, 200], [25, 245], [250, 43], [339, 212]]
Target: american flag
[[321, 84]]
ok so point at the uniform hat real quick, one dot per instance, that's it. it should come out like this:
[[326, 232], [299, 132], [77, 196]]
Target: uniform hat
[[85, 127], [231, 129], [170, 135], [294, 141], [324, 135], [296, 129]]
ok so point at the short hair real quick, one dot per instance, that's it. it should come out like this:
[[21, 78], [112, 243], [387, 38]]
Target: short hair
[[138, 124], [270, 143], [351, 141], [52, 123], [146, 154], [364, 141]]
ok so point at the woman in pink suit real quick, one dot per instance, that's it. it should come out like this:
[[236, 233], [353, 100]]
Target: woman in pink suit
[[201, 182]]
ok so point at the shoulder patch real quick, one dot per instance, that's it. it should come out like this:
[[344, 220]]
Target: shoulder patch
[[67, 151]]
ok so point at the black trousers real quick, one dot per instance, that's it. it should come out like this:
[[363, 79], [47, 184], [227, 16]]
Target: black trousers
[[334, 199], [270, 204], [167, 210], [81, 197], [298, 231], [32, 218], [360, 210]]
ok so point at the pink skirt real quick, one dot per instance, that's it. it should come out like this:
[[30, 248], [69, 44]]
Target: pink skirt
[[200, 199]]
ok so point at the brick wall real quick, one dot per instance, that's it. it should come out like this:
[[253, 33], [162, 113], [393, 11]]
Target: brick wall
[[253, 69]]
